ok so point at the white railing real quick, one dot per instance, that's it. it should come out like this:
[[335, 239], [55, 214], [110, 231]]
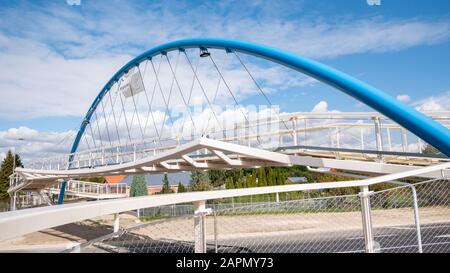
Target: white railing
[[369, 134], [83, 188]]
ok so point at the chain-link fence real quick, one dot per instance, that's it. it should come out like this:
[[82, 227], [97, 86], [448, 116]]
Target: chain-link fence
[[405, 218], [173, 235]]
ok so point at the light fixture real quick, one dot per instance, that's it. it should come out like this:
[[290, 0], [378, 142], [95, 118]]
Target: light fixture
[[204, 52]]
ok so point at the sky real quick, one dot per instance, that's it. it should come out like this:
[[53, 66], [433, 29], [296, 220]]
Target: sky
[[57, 55]]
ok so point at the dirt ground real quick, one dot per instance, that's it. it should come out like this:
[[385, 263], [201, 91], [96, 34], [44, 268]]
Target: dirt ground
[[182, 228], [66, 236]]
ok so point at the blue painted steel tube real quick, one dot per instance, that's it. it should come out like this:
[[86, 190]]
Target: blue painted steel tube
[[421, 125]]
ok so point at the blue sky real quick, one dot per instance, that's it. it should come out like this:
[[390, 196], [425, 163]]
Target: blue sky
[[56, 57]]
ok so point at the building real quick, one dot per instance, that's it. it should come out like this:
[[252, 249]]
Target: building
[[154, 189], [298, 179], [115, 179]]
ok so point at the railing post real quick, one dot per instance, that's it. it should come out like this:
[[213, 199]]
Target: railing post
[[200, 226], [379, 143], [419, 145], [247, 132], [338, 142], [361, 132], [305, 127], [366, 218], [235, 134], [404, 141], [389, 139], [294, 131], [338, 138]]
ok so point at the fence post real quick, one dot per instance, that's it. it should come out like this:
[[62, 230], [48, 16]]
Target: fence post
[[200, 226], [416, 218], [116, 222], [379, 142], [366, 218], [215, 231]]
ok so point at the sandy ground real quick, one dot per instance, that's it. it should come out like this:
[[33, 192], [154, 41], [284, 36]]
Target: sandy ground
[[229, 227], [63, 237], [245, 226]]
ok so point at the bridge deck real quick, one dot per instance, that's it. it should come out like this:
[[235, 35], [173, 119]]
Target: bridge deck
[[206, 153]]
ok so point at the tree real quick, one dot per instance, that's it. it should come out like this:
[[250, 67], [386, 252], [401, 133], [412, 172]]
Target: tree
[[138, 186], [6, 170], [200, 181], [97, 179], [430, 150], [229, 183], [270, 177], [181, 187], [195, 177], [217, 177], [262, 178], [166, 187]]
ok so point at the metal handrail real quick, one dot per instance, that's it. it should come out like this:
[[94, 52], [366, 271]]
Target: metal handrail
[[17, 223], [108, 155]]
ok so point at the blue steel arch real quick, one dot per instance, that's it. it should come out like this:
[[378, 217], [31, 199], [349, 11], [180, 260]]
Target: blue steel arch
[[422, 126]]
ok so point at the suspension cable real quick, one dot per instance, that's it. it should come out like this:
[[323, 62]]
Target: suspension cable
[[164, 99], [113, 112], [232, 95], [135, 110], [106, 122], [190, 95], [150, 112], [92, 135], [124, 114], [201, 87], [174, 80], [179, 88], [98, 128], [259, 87], [216, 92]]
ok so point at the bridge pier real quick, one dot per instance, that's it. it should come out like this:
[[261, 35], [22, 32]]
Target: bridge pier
[[13, 201], [62, 192]]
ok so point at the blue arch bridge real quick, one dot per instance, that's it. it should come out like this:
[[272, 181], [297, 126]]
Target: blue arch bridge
[[185, 106]]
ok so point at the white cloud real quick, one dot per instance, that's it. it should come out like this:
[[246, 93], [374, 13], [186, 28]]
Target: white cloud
[[56, 60], [320, 107], [31, 144], [434, 103], [403, 98], [59, 58]]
